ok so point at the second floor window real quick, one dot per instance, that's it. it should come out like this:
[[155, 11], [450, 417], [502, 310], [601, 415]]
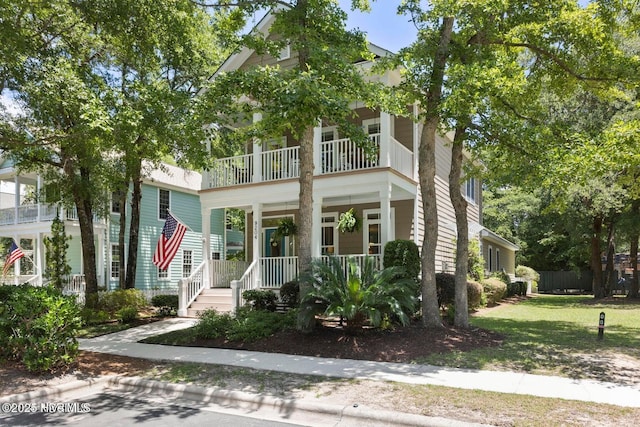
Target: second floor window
[[470, 190], [164, 203], [115, 261]]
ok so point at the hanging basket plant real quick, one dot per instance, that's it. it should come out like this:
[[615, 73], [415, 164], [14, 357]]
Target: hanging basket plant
[[349, 222], [286, 227]]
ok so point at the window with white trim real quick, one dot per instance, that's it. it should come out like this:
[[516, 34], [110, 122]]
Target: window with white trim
[[372, 221], [470, 189], [329, 133], [164, 203], [187, 262], [115, 261], [371, 126], [115, 202], [490, 258], [163, 274], [285, 53], [329, 245]]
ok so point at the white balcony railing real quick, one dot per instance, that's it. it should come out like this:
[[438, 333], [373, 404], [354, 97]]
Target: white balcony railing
[[339, 155], [39, 213]]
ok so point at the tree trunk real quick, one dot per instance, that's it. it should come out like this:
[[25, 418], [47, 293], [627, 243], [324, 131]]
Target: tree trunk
[[596, 263], [122, 203], [305, 223], [134, 227], [427, 171], [610, 279], [306, 323], [633, 252], [461, 318]]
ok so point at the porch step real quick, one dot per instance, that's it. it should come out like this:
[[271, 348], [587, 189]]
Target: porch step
[[218, 299]]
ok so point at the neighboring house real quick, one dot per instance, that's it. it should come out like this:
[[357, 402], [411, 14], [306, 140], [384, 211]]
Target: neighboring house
[[26, 215], [384, 191]]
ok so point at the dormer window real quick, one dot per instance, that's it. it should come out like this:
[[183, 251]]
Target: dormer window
[[285, 53]]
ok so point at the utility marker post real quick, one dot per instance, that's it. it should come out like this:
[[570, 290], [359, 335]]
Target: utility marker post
[[601, 326]]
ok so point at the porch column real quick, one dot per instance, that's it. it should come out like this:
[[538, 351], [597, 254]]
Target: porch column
[[257, 153], [16, 201], [39, 258], [416, 142], [257, 237], [316, 228], [386, 227], [206, 234], [317, 141], [385, 139]]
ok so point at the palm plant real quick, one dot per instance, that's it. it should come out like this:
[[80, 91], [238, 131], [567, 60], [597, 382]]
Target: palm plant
[[361, 296]]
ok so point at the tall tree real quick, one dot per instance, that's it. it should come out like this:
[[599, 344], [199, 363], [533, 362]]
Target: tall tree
[[103, 83], [321, 85]]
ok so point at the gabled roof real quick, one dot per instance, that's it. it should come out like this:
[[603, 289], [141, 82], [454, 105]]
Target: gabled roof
[[235, 60], [176, 177]]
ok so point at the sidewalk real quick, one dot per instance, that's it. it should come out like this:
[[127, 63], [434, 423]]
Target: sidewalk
[[124, 343]]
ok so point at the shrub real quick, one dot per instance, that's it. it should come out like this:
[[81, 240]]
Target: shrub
[[527, 273], [475, 294], [127, 314], [112, 301], [38, 326], [167, 304], [475, 266], [290, 293], [252, 325], [92, 316], [405, 254], [359, 295], [446, 288], [517, 288], [259, 299], [212, 324], [495, 289]]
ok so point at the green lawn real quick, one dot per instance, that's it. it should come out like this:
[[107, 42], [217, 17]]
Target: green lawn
[[555, 334]]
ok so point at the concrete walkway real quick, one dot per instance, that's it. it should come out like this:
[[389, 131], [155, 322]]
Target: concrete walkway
[[124, 343]]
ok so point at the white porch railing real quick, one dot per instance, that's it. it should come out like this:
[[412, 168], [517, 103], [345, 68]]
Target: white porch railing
[[343, 155], [281, 164], [231, 171], [339, 155], [190, 287], [39, 212], [401, 158], [75, 285], [224, 272], [249, 280], [277, 271]]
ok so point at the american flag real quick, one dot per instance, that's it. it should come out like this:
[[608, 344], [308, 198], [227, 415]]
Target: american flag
[[169, 242], [15, 253]]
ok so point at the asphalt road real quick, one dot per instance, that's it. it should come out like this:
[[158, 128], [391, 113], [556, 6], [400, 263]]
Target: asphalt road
[[114, 408]]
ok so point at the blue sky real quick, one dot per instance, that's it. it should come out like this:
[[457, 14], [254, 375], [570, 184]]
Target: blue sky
[[384, 27]]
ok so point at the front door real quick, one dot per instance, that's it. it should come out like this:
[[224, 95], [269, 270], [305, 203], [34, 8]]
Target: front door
[[273, 247]]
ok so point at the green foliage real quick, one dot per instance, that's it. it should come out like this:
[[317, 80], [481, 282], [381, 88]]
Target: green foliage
[[167, 304], [349, 221], [112, 301], [290, 293], [246, 325], [127, 314], [495, 289], [253, 325], [475, 293], [527, 273], [38, 326], [446, 287], [475, 261], [91, 316], [258, 299], [516, 288], [56, 254], [212, 324], [405, 254], [361, 296]]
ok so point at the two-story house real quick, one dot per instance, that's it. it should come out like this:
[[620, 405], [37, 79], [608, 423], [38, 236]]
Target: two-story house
[[26, 215], [383, 191]]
